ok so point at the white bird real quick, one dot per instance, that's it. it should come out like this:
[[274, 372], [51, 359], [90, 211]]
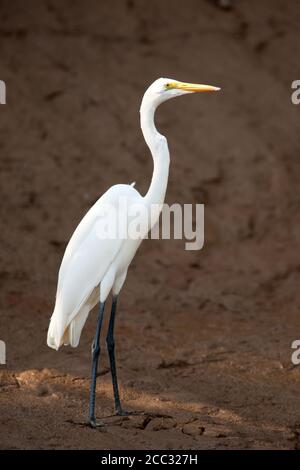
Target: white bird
[[94, 265]]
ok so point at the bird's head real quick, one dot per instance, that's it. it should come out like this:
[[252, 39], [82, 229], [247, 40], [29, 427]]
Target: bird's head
[[164, 89]]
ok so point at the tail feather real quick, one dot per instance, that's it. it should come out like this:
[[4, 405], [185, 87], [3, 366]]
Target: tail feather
[[54, 333], [60, 333], [70, 335], [73, 332]]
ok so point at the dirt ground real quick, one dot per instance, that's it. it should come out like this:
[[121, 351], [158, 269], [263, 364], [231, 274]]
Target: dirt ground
[[203, 337]]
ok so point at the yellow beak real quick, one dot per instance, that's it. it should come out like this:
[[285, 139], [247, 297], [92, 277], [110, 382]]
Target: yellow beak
[[194, 87]]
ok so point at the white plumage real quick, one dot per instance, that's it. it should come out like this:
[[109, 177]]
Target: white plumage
[[95, 262], [90, 262], [92, 267]]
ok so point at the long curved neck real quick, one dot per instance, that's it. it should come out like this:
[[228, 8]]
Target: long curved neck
[[160, 153]]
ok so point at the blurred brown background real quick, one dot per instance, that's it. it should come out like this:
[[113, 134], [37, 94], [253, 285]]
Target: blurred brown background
[[203, 338]]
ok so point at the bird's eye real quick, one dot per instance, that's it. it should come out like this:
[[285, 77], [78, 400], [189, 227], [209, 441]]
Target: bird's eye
[[168, 85]]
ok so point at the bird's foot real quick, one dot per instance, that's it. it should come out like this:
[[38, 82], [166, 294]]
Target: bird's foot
[[93, 423]]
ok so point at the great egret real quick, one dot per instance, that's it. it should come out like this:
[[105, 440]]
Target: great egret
[[94, 266]]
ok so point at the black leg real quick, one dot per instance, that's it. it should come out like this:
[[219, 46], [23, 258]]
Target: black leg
[[111, 352], [95, 359]]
